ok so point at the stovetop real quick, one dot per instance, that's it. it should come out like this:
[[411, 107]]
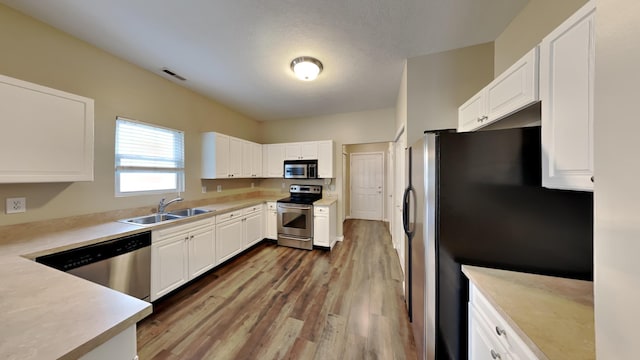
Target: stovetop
[[305, 200], [303, 194]]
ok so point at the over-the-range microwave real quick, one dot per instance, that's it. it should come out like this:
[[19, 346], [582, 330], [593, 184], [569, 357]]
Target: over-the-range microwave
[[301, 169]]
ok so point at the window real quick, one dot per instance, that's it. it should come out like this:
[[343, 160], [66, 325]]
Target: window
[[149, 159]]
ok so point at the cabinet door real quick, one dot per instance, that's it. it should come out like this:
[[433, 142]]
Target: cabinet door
[[566, 85], [246, 159], [472, 113], [253, 229], [169, 265], [275, 160], [321, 230], [256, 160], [325, 159], [514, 89], [235, 157], [481, 346], [222, 156], [272, 224], [228, 240], [201, 251], [48, 134], [309, 150], [293, 151]]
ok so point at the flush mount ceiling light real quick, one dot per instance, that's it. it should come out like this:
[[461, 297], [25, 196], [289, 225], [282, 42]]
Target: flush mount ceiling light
[[306, 68]]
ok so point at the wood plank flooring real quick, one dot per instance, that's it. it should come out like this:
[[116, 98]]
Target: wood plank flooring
[[281, 303]]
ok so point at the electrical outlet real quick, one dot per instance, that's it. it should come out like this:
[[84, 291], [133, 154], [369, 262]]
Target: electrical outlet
[[16, 205], [283, 185], [204, 189], [253, 185], [219, 188]]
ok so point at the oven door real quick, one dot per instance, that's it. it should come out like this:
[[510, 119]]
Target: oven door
[[295, 220]]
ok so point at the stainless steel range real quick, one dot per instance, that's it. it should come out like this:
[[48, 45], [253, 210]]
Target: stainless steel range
[[295, 216]]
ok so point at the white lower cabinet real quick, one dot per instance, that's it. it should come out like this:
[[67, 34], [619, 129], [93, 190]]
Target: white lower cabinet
[[324, 225], [490, 336], [228, 235], [122, 346], [482, 346], [179, 254], [271, 221], [202, 249], [252, 225], [237, 231]]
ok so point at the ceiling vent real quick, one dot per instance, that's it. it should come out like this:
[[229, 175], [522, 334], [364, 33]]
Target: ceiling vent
[[169, 72]]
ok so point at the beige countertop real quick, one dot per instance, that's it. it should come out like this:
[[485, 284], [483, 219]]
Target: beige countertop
[[326, 201], [553, 315], [49, 314]]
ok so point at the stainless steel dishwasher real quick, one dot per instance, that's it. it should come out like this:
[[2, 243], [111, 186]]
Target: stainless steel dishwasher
[[122, 264]]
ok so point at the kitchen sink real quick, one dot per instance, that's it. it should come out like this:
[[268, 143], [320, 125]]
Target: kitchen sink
[[188, 212], [151, 219], [158, 218]]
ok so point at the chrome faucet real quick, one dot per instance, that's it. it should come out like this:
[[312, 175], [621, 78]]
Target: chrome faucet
[[163, 205]]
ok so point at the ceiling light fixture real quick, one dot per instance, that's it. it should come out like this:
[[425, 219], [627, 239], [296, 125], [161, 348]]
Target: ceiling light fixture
[[306, 68]]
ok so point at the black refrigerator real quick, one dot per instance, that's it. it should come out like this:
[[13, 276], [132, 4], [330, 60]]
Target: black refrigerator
[[476, 198]]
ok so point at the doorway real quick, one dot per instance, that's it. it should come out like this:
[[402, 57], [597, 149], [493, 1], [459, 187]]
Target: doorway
[[367, 185]]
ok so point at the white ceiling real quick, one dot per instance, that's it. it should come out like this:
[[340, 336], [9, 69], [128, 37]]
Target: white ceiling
[[238, 51]]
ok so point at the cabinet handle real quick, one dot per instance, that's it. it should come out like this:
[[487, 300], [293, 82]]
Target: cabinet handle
[[500, 332], [479, 119], [592, 179], [191, 237], [495, 355]]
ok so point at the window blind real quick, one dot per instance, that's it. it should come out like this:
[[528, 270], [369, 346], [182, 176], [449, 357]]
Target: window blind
[[148, 157]]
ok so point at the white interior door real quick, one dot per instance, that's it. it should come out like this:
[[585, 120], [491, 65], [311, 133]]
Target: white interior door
[[367, 185]]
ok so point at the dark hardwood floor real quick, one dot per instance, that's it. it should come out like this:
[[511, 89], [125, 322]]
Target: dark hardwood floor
[[281, 303]]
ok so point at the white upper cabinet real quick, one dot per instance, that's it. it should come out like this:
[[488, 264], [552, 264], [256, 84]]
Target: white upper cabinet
[[566, 90], [256, 160], [301, 151], [251, 159], [223, 157], [48, 134], [471, 114], [325, 159], [273, 160], [226, 157], [513, 90]]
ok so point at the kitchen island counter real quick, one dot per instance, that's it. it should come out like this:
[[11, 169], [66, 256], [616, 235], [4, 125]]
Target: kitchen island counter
[[553, 316]]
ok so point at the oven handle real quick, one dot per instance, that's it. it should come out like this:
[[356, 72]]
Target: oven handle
[[295, 207]]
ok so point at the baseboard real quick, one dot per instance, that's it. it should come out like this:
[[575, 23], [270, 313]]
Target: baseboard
[[340, 238]]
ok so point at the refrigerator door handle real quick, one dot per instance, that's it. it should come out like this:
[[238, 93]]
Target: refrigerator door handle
[[408, 198]]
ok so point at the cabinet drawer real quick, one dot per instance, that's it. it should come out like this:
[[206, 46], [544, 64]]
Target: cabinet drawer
[[501, 330], [320, 210], [184, 228], [482, 342], [228, 216], [271, 206], [252, 209]]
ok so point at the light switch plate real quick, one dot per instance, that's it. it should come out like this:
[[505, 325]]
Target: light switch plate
[[16, 205]]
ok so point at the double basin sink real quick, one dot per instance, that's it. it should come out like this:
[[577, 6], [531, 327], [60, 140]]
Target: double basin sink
[[158, 218]]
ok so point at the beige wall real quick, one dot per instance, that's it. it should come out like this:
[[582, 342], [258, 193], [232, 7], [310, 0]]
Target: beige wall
[[38, 53], [438, 84], [616, 192], [529, 27]]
